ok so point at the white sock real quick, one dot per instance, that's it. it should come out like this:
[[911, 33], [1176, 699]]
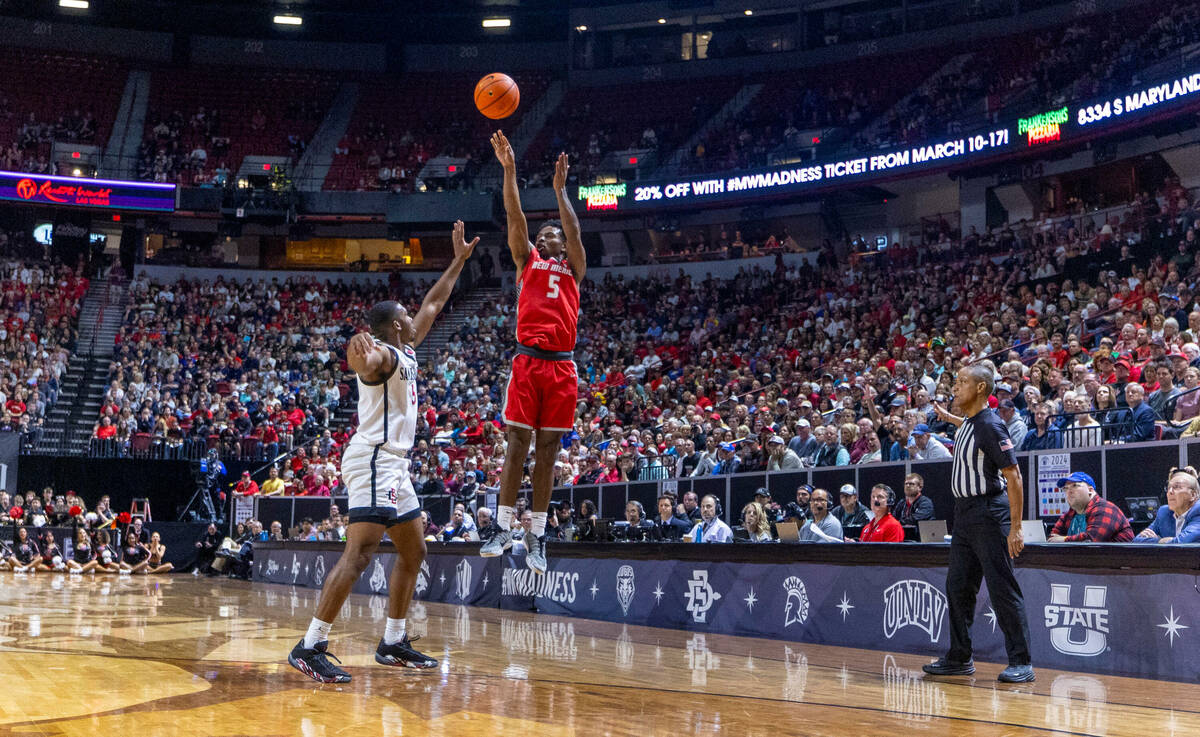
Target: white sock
[[539, 524], [504, 517], [318, 631], [393, 632]]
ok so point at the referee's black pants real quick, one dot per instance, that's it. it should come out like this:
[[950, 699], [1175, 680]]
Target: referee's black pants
[[979, 551]]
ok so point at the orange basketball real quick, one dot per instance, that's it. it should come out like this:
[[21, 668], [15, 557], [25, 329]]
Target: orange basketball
[[497, 96]]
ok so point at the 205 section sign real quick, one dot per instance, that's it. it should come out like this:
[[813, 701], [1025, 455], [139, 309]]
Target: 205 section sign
[[77, 192]]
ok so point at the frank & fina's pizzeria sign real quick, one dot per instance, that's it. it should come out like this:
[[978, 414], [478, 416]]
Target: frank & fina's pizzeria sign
[[77, 192]]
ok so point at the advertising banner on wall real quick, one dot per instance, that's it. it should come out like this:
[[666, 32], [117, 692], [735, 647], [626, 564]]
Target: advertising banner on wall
[[1114, 623], [10, 454]]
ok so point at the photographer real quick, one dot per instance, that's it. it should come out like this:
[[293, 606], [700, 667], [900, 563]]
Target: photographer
[[207, 545]]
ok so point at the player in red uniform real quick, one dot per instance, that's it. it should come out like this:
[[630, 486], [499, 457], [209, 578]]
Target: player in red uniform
[[542, 387]]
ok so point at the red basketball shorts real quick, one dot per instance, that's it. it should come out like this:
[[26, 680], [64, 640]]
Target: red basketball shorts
[[541, 394]]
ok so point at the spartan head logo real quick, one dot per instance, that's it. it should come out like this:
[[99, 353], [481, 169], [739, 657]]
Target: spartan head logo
[[625, 589], [319, 570], [795, 610], [423, 578], [378, 578], [462, 579]]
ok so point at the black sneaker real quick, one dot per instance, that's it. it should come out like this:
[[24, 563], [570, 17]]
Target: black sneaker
[[403, 655], [944, 667], [315, 663], [1016, 674]]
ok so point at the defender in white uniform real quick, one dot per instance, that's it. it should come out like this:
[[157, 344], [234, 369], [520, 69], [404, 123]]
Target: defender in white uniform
[[375, 472]]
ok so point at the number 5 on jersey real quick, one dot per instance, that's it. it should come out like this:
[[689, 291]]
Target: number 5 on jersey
[[553, 293]]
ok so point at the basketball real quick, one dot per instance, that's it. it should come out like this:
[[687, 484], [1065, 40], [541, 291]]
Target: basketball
[[497, 96]]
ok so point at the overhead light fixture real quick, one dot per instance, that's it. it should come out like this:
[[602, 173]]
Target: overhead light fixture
[[288, 20], [497, 22], [581, 29], [662, 20], [76, 4], [748, 11]]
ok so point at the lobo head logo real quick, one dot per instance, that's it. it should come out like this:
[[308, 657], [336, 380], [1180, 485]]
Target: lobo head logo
[[916, 603], [625, 587], [319, 570], [700, 596], [1091, 620], [423, 578], [462, 579], [795, 611], [378, 578], [26, 189]]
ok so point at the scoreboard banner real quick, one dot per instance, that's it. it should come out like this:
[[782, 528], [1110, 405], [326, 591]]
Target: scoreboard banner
[[1060, 124], [44, 189]]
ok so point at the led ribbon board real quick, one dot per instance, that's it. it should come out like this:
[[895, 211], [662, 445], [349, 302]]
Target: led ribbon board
[[1056, 126], [77, 192]]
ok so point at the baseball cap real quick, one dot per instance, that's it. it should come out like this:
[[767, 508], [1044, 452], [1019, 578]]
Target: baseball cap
[[921, 429], [806, 403], [1007, 404], [898, 402], [728, 447], [848, 490], [245, 473], [1158, 342], [1123, 362], [775, 439], [782, 401], [1075, 477], [803, 423], [762, 491], [1002, 387], [806, 487]]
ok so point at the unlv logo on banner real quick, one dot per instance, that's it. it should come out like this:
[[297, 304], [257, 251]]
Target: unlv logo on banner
[[914, 602]]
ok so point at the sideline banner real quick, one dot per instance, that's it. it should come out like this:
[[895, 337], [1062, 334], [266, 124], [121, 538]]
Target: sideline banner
[[1141, 625]]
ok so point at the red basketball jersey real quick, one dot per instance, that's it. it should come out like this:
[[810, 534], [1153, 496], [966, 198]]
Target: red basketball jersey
[[547, 304]]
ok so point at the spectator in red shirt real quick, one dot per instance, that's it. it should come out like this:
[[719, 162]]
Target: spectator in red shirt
[[1091, 518], [884, 528], [247, 486], [473, 434], [105, 430]]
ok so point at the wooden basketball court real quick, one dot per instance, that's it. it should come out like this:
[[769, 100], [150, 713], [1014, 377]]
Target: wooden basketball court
[[175, 655]]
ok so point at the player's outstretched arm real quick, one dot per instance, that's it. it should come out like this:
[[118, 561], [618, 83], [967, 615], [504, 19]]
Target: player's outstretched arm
[[438, 295], [566, 213], [366, 358], [518, 227]]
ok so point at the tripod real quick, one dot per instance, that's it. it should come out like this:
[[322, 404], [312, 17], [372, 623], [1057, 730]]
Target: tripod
[[206, 475]]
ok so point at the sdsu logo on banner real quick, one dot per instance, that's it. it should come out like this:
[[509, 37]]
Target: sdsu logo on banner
[[378, 579], [1091, 620], [700, 596], [319, 571], [916, 603]]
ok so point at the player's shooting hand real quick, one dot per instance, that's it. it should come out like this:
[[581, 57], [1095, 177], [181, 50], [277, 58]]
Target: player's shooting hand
[[561, 167], [503, 149], [462, 249], [1016, 541]]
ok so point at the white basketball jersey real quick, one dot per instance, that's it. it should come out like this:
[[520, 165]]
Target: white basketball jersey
[[387, 411]]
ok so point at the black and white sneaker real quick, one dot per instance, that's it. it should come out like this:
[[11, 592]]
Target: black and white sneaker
[[315, 664], [403, 655]]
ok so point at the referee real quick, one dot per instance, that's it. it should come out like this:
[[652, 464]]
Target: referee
[[987, 530]]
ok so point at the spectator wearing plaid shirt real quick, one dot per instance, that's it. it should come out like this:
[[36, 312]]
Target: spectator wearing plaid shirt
[[1091, 518]]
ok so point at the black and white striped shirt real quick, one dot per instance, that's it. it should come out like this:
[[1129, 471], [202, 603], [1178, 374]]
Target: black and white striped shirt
[[982, 448]]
